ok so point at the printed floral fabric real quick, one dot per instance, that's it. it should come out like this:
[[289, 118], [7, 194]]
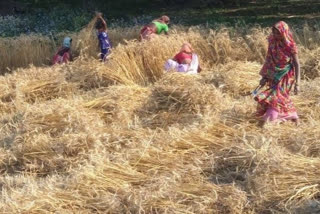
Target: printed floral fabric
[[279, 72]]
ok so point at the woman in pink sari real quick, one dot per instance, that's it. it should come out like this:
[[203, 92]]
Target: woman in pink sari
[[280, 72]]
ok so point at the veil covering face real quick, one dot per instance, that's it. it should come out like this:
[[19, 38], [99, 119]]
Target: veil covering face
[[287, 39], [280, 52]]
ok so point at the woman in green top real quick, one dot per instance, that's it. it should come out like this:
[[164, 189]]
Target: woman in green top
[[155, 27]]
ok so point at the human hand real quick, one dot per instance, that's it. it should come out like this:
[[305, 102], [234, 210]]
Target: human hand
[[263, 81]]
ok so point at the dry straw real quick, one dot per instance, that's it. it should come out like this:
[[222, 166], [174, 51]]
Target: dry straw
[[126, 137]]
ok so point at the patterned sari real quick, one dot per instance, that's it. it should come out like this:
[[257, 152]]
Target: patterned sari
[[147, 33], [274, 104]]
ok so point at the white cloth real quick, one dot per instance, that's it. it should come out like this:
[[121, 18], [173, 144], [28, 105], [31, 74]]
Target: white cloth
[[194, 65], [185, 68]]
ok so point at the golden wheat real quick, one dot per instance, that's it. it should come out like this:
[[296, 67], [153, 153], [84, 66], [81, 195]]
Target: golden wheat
[[126, 137]]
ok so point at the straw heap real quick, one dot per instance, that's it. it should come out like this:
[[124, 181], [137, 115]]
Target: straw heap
[[126, 137]]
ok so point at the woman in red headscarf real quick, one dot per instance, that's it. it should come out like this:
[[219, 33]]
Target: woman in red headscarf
[[156, 27], [280, 72], [185, 54], [185, 61]]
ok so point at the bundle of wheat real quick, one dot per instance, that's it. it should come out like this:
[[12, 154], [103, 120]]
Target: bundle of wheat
[[46, 90], [179, 98], [43, 139], [126, 137], [281, 180], [236, 79], [310, 64], [256, 41], [119, 103]]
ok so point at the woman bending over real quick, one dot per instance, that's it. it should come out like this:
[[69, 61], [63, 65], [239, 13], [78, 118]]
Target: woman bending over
[[156, 27]]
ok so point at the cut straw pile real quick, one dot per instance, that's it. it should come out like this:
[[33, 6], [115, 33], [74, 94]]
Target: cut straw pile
[[126, 137]]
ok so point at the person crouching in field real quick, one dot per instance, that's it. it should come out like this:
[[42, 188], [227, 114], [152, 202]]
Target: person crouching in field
[[104, 42], [63, 55], [156, 27], [280, 72], [186, 61]]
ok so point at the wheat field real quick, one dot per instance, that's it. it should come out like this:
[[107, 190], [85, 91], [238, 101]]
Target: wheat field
[[125, 137]]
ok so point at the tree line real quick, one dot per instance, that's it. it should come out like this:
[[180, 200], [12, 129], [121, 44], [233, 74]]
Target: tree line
[[146, 3]]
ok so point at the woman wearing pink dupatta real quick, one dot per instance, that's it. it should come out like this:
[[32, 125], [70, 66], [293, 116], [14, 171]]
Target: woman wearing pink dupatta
[[280, 73]]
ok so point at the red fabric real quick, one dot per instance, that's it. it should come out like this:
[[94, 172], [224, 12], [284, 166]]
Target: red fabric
[[277, 96], [143, 29], [57, 59], [66, 57], [146, 32], [182, 56], [279, 52]]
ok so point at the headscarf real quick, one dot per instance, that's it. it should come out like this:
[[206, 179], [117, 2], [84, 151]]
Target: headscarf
[[288, 42], [279, 56], [165, 18], [67, 42], [186, 47]]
